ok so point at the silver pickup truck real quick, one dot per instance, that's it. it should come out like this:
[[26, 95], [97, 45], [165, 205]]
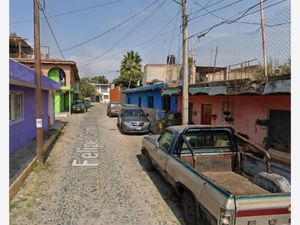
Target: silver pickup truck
[[206, 167]]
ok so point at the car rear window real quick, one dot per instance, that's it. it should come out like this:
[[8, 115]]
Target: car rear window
[[133, 112]]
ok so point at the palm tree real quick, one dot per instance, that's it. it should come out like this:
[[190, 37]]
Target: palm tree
[[131, 68]]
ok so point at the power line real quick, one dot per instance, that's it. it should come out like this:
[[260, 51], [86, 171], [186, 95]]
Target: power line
[[245, 13], [215, 10], [51, 30], [111, 29], [219, 17], [157, 35], [70, 12], [134, 29], [171, 44], [207, 6], [176, 2]]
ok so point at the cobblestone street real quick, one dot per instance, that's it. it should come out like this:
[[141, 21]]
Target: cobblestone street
[[94, 176]]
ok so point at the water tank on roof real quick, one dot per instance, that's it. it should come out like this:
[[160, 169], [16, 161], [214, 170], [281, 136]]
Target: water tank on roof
[[171, 59]]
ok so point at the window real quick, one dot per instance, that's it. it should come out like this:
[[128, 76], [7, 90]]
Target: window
[[165, 140], [104, 89], [150, 101], [166, 102], [62, 77], [133, 113], [15, 106]]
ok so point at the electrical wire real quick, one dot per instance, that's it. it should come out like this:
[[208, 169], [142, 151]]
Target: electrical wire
[[70, 12], [134, 29], [51, 30], [111, 29], [215, 10], [207, 6], [242, 22], [245, 13]]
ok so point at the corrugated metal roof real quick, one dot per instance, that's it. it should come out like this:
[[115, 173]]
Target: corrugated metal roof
[[152, 87], [277, 86], [217, 90]]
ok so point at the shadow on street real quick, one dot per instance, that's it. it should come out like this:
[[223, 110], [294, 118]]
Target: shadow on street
[[166, 191]]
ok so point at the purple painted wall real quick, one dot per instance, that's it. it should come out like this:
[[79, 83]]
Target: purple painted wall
[[23, 131], [20, 72]]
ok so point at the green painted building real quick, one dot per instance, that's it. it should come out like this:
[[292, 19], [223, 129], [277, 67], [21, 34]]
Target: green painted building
[[64, 72]]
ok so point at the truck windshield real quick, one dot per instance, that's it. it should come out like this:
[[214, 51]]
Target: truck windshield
[[133, 112], [207, 139]]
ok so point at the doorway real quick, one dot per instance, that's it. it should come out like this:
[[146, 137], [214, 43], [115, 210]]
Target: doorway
[[206, 111]]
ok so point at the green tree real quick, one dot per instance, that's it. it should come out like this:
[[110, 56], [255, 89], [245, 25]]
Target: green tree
[[131, 70], [86, 89], [99, 79]]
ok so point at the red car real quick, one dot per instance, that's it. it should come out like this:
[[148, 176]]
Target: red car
[[113, 109]]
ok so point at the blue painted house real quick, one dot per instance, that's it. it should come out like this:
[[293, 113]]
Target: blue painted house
[[153, 101], [22, 125], [151, 97]]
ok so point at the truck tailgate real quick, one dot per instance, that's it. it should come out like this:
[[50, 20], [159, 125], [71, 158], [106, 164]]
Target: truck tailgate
[[263, 210]]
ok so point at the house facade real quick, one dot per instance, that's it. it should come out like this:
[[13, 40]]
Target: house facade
[[153, 101], [102, 92], [64, 72], [260, 111], [161, 73], [22, 127]]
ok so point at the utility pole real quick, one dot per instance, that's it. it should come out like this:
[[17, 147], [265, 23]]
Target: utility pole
[[263, 39], [38, 92], [185, 86]]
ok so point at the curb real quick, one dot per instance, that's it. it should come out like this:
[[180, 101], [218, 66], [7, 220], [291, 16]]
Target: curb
[[14, 188]]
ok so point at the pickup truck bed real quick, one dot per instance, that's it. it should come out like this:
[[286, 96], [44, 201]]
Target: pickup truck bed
[[203, 165], [235, 183]]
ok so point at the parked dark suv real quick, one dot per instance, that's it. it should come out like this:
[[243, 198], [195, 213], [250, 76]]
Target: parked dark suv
[[133, 120]]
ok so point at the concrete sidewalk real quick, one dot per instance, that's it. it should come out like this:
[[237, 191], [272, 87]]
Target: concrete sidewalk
[[21, 159]]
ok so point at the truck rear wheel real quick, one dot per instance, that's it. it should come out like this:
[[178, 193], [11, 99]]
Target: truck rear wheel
[[189, 208], [147, 162]]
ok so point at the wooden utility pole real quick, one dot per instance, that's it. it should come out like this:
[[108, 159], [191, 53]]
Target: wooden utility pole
[[263, 39], [185, 86], [38, 92]]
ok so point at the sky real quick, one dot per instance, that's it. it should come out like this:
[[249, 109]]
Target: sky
[[97, 33]]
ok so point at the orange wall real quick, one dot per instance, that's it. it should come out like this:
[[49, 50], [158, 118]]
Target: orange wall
[[247, 109], [115, 95]]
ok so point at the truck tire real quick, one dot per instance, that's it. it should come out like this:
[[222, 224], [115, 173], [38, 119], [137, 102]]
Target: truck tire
[[189, 208], [147, 162]]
